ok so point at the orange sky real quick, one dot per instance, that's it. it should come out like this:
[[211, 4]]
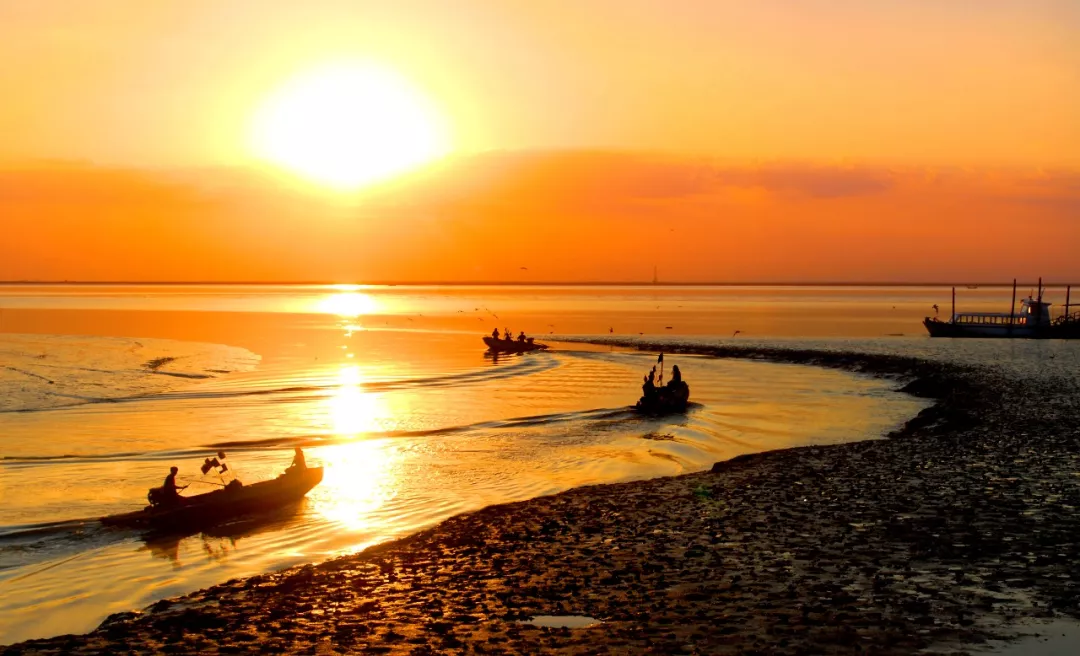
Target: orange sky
[[765, 140]]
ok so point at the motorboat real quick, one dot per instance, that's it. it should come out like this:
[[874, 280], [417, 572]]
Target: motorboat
[[234, 500], [513, 346], [670, 398]]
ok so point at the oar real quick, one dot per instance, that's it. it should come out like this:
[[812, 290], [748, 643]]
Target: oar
[[206, 482]]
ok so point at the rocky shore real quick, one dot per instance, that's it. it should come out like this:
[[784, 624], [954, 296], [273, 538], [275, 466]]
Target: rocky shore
[[944, 535]]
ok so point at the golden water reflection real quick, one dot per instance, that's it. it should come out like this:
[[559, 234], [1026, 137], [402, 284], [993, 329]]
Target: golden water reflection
[[347, 304], [352, 411], [362, 473]]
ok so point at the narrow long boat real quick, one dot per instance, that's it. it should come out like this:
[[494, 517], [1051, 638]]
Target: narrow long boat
[[512, 346], [203, 510]]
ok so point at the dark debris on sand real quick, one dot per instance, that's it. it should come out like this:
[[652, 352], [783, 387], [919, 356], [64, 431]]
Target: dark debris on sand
[[964, 520]]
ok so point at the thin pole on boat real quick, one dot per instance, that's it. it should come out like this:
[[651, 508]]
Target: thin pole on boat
[[1038, 319], [953, 319], [1068, 290], [1012, 308]]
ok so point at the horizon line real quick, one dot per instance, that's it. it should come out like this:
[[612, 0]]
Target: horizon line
[[541, 283]]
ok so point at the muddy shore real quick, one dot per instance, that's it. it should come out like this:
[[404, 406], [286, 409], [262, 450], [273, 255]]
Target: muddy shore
[[944, 535]]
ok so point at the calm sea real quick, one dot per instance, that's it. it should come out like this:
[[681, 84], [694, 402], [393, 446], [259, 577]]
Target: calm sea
[[103, 388]]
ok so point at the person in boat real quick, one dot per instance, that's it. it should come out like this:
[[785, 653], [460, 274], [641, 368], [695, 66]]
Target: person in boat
[[495, 334], [170, 491], [676, 377], [648, 390], [299, 464], [507, 335], [521, 337]]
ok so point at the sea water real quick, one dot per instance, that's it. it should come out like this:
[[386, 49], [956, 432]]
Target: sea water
[[103, 388]]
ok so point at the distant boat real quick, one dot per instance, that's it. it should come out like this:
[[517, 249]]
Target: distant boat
[[1032, 321], [512, 346]]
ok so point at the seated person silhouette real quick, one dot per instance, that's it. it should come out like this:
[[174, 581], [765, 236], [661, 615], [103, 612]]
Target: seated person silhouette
[[299, 464]]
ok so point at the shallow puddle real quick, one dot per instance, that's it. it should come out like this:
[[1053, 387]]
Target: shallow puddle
[[1058, 638], [563, 621]]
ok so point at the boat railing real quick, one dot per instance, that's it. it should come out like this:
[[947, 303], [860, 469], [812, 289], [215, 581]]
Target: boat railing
[[995, 319], [1072, 317]]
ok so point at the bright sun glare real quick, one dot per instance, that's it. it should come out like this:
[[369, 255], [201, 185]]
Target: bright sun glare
[[347, 125]]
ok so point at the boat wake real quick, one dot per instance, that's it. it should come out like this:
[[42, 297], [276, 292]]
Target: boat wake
[[319, 385], [288, 442]]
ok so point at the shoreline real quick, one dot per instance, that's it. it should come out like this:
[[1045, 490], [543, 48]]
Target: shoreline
[[931, 537]]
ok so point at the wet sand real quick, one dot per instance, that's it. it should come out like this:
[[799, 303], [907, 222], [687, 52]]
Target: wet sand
[[946, 535]]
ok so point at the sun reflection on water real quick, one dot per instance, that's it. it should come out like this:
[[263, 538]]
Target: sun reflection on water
[[361, 474], [347, 304]]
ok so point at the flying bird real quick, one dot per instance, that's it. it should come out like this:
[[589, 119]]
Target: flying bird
[[524, 268], [736, 333]]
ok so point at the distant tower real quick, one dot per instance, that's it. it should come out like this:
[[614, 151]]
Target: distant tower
[[655, 279]]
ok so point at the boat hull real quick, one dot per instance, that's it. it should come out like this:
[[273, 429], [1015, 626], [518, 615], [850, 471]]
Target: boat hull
[[938, 328], [666, 400], [510, 346], [205, 510]]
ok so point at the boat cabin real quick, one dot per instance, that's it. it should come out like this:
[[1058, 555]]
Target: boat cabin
[[1032, 313]]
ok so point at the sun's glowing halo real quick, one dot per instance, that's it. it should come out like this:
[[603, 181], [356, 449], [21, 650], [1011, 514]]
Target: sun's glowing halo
[[348, 124], [347, 305]]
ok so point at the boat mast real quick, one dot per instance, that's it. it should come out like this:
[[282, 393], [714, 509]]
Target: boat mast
[[1012, 309], [1038, 319], [1068, 291], [953, 320]]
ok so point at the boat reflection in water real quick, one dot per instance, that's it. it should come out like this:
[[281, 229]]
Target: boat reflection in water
[[219, 542]]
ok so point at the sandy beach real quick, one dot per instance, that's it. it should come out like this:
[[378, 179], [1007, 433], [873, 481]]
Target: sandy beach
[[945, 535]]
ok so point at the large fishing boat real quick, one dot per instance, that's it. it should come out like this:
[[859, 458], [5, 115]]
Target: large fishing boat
[[1032, 321]]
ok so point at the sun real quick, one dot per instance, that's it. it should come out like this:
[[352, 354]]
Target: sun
[[348, 124]]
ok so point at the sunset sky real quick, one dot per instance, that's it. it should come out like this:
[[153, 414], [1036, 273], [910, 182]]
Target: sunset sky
[[349, 141]]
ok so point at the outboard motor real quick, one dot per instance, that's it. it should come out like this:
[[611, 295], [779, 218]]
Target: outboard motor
[[156, 496]]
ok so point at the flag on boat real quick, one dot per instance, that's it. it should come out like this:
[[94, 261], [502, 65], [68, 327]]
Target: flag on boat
[[660, 359]]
